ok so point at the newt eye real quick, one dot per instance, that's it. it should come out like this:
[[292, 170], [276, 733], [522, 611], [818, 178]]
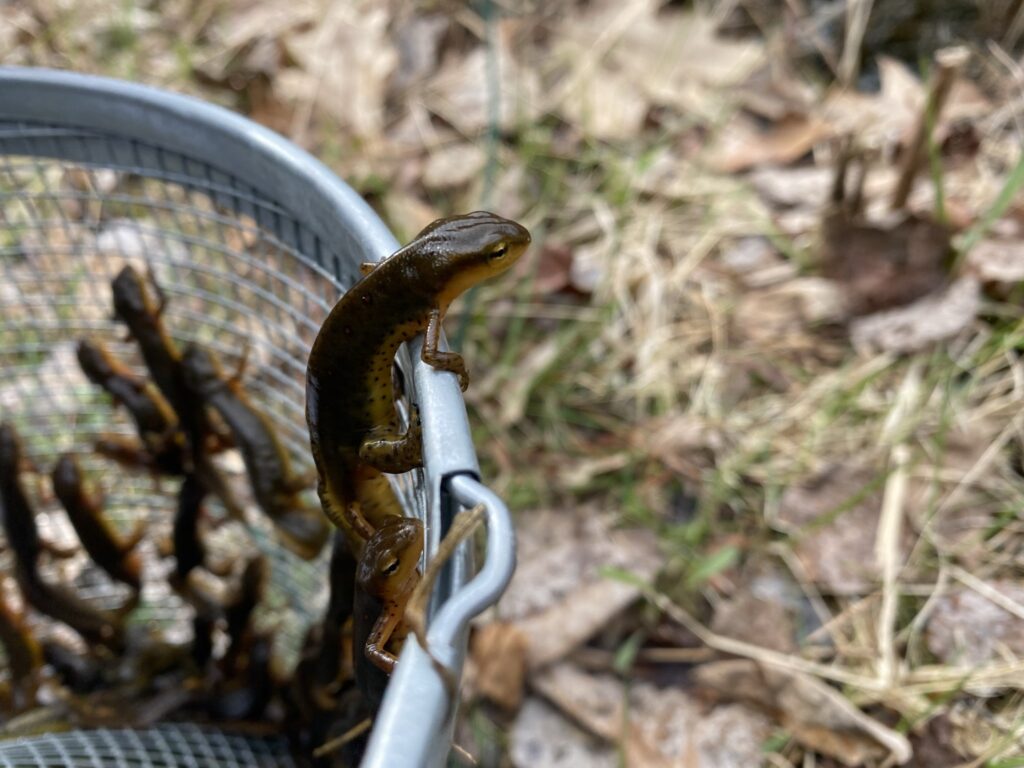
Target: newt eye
[[390, 568], [498, 253]]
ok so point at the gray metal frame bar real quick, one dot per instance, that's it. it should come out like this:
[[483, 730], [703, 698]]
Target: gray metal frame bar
[[414, 724]]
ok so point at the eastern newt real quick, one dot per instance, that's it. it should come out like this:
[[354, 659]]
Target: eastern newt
[[155, 420], [275, 483], [19, 518], [248, 694], [328, 670], [24, 655], [189, 550], [137, 307], [58, 603], [238, 612], [385, 578], [118, 558], [350, 402]]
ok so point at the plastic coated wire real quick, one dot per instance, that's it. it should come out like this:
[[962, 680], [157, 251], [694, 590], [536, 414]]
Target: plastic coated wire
[[239, 272]]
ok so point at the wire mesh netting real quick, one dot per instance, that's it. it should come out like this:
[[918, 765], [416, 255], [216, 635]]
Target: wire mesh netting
[[243, 277], [166, 746]]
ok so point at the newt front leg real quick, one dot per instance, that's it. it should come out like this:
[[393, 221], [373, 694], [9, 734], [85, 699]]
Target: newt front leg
[[435, 358]]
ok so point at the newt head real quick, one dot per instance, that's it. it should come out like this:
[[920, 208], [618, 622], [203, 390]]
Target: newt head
[[66, 476], [469, 249], [132, 298], [390, 558], [96, 362]]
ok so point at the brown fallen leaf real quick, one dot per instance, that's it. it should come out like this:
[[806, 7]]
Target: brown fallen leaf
[[459, 92], [881, 267], [656, 727], [418, 40], [542, 738], [967, 628], [498, 653], [927, 321], [997, 260], [669, 52], [742, 145], [344, 63], [764, 622], [816, 714], [452, 166], [834, 517], [794, 306], [558, 597], [586, 106]]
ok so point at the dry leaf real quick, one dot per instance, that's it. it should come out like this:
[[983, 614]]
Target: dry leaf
[[587, 106], [967, 629], [666, 54], [835, 518], [660, 727], [558, 597], [542, 738], [753, 619], [806, 187], [881, 267], [997, 260], [418, 40], [930, 320], [879, 120], [452, 166], [460, 93], [794, 306], [741, 145], [816, 714], [499, 658], [346, 60]]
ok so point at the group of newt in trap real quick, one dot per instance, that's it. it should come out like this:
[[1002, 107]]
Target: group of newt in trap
[[186, 412]]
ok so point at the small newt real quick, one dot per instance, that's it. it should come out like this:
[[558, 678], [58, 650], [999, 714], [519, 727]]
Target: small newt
[[93, 625], [155, 420], [328, 671], [189, 550], [24, 655], [137, 307], [385, 578], [19, 518], [118, 558], [238, 612], [248, 694], [275, 483], [350, 402]]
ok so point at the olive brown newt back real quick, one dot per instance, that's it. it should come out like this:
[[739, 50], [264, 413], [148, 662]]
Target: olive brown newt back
[[24, 654], [137, 307], [385, 578], [19, 518], [118, 558], [350, 402], [155, 420], [275, 484]]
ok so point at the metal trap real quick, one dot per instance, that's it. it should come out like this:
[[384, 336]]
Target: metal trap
[[253, 241]]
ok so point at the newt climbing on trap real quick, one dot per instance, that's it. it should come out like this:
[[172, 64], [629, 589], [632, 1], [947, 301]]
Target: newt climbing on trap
[[350, 403]]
